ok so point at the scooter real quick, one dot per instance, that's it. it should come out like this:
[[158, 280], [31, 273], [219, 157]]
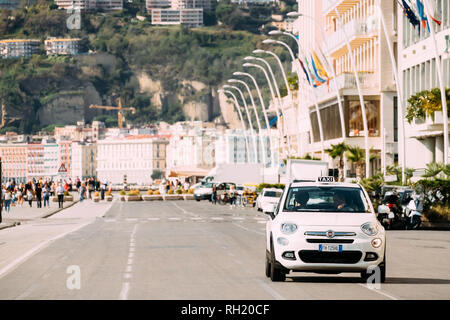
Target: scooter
[[413, 213], [389, 211]]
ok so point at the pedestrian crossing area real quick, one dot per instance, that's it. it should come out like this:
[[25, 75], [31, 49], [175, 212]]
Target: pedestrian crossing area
[[257, 219]]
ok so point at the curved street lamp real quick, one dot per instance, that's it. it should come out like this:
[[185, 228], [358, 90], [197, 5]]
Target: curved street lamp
[[266, 119], [258, 122], [252, 132], [280, 102], [236, 104], [280, 131]]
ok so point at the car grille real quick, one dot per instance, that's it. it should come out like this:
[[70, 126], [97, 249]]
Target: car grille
[[329, 240], [345, 257]]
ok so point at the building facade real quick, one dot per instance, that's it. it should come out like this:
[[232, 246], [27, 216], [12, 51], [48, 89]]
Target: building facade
[[91, 5], [325, 36], [35, 161], [62, 46], [84, 160], [14, 162], [417, 70], [131, 158], [16, 48]]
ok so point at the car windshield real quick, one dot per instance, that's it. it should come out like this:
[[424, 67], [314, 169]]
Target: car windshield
[[272, 194], [207, 185], [326, 199]]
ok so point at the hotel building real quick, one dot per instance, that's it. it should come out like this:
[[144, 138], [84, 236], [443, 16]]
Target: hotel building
[[326, 34], [417, 70]]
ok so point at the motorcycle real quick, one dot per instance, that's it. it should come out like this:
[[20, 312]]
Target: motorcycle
[[413, 213], [389, 211]]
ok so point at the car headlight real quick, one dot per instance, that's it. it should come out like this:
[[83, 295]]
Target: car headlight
[[370, 228], [288, 228]]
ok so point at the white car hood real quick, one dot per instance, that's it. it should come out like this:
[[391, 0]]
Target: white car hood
[[326, 218]]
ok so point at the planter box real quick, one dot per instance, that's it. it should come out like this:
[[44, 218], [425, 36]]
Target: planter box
[[96, 199], [188, 197], [173, 197], [109, 198], [134, 198], [122, 198], [152, 197]]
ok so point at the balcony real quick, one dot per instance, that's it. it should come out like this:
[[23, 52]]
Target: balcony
[[347, 81], [358, 32], [342, 6]]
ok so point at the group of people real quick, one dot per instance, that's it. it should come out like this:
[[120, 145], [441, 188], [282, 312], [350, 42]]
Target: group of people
[[15, 194], [40, 191]]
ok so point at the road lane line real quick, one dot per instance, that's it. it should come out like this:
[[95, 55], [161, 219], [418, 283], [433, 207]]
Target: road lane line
[[184, 210], [378, 291], [124, 293], [270, 290], [34, 250], [247, 229]]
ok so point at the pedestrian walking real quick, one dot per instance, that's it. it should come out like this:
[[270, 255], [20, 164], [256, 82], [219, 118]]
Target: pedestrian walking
[[38, 190], [82, 191], [7, 199], [46, 193], [91, 187], [30, 197], [102, 191], [214, 195], [19, 196], [60, 192]]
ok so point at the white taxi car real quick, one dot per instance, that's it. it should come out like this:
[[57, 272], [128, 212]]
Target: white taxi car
[[324, 227]]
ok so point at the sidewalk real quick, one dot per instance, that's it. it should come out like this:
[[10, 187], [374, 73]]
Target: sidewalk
[[17, 215]]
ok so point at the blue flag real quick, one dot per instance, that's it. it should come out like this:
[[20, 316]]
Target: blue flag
[[422, 15]]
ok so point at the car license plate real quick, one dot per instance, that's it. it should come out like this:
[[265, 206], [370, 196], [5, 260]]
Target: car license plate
[[330, 247]]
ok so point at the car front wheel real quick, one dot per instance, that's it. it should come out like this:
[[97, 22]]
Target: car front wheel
[[276, 274]]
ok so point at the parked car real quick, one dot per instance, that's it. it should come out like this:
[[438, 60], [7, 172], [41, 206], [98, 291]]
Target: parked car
[[203, 192], [267, 198]]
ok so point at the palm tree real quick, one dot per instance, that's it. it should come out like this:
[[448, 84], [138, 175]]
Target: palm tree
[[338, 151], [433, 169], [357, 156]]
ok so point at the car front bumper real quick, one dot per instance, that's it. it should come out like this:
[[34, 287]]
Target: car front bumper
[[356, 256]]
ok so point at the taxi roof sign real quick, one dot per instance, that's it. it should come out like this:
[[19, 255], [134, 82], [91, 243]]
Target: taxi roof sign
[[325, 179]]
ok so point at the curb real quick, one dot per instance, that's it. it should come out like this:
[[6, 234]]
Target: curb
[[59, 210], [434, 225], [10, 225]]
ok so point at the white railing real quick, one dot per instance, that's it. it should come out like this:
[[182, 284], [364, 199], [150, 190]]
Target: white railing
[[352, 29], [327, 5], [346, 81]]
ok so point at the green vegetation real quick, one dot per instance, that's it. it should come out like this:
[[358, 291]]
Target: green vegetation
[[121, 48], [425, 103]]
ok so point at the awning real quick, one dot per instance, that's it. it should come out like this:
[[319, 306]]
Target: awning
[[188, 172]]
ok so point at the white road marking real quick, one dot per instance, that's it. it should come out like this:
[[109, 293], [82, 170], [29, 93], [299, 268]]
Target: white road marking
[[237, 218], [262, 221], [130, 261], [217, 218], [270, 290], [153, 219], [29, 253], [124, 293], [131, 219], [129, 269], [175, 219], [378, 291], [247, 229], [110, 220], [131, 255], [184, 210], [127, 275]]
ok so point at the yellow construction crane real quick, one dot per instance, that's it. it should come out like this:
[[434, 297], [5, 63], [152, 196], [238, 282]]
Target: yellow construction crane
[[119, 109]]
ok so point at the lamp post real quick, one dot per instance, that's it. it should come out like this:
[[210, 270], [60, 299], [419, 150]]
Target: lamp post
[[258, 122], [280, 103], [330, 69], [281, 134], [266, 119], [252, 132], [236, 104]]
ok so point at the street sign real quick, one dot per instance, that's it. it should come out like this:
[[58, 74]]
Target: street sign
[[62, 168], [282, 169]]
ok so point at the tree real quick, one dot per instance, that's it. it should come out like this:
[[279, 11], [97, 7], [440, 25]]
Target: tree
[[157, 174], [357, 156], [338, 151], [433, 169]]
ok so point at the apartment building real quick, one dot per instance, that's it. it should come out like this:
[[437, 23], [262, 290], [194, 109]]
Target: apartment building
[[91, 5], [131, 158], [186, 17], [16, 48], [417, 72], [325, 35], [65, 157], [9, 4], [51, 160], [62, 46], [83, 160], [81, 132], [35, 160], [14, 162]]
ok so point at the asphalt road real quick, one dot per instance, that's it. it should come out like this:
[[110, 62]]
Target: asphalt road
[[192, 250]]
